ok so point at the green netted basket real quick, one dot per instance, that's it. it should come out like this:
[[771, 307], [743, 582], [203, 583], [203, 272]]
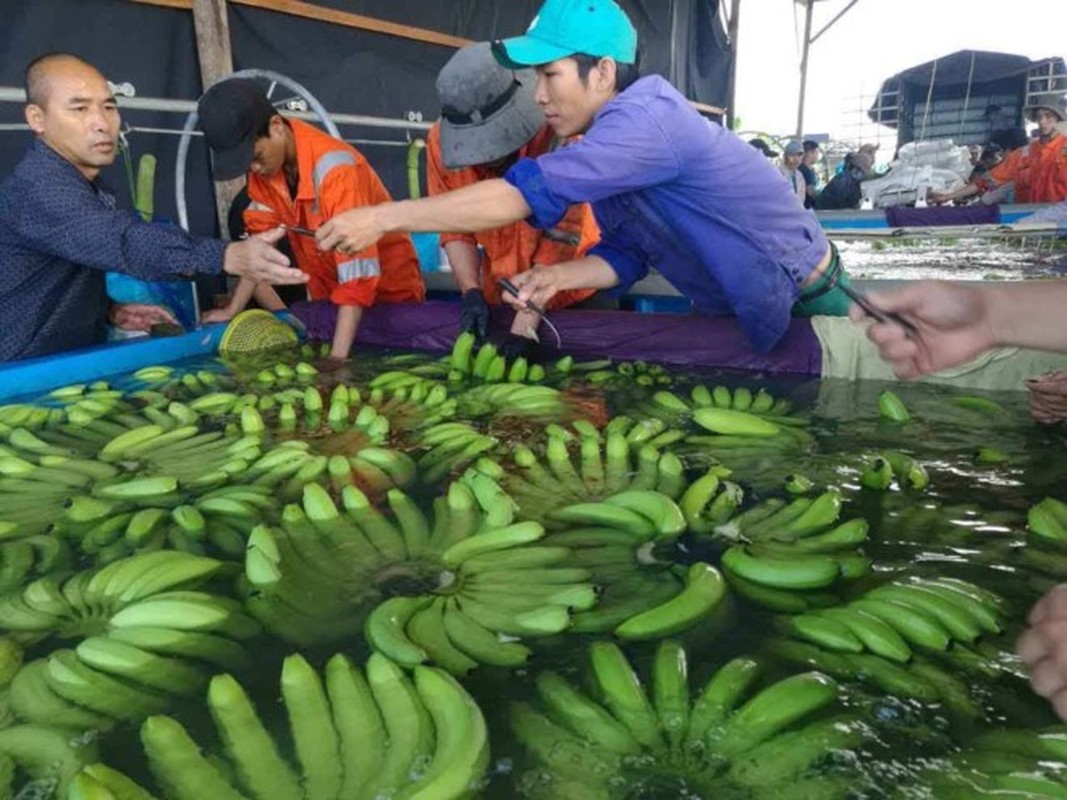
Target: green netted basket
[[253, 331]]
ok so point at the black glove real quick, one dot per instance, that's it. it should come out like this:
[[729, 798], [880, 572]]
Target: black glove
[[475, 314], [515, 346]]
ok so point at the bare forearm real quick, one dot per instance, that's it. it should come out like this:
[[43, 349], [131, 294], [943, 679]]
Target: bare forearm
[[268, 298], [479, 207], [1028, 314], [590, 272], [463, 258], [348, 319], [242, 293]]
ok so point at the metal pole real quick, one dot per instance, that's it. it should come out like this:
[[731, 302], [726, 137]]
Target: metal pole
[[810, 4], [733, 25]]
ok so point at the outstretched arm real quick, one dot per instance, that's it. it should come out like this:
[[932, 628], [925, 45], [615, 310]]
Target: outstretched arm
[[482, 206], [957, 322]]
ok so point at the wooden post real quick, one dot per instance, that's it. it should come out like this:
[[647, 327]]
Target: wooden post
[[804, 66], [733, 26], [216, 62]]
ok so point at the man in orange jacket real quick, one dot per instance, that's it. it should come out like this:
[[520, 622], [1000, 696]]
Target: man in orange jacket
[[299, 177], [1038, 170], [489, 120]]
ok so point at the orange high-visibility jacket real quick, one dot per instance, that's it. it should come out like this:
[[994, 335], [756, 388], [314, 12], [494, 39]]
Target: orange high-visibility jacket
[[517, 247], [1039, 171], [334, 177]]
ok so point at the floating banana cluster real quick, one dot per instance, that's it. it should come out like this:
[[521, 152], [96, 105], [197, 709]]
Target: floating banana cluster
[[356, 735], [1003, 762], [710, 742], [602, 465], [879, 636], [146, 633]]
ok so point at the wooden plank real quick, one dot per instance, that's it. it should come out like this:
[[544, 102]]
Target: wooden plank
[[298, 8], [185, 5], [216, 62], [347, 19]]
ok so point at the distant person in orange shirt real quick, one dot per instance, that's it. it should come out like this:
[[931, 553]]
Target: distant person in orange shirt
[[489, 120], [1038, 170], [300, 177]]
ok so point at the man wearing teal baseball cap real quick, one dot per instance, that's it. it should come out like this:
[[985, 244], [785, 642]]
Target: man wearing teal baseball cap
[[669, 189]]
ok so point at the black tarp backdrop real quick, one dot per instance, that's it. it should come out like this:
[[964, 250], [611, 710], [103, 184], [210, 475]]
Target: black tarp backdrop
[[348, 70], [976, 96]]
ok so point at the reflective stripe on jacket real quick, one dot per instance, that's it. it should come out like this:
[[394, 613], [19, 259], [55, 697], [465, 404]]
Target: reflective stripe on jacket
[[334, 177]]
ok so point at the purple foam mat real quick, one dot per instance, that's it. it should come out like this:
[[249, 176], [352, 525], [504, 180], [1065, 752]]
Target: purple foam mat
[[680, 339], [977, 214]]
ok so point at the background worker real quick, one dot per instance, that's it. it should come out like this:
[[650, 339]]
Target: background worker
[[792, 160], [490, 120], [1038, 170], [668, 188], [812, 156], [60, 230], [956, 323], [299, 176]]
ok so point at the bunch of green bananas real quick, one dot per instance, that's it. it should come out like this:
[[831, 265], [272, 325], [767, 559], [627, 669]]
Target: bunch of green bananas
[[637, 373], [785, 553], [878, 638], [713, 741], [1003, 762], [316, 577], [452, 447], [356, 735], [146, 633], [487, 365], [675, 408], [512, 400], [605, 465], [1047, 522], [879, 471]]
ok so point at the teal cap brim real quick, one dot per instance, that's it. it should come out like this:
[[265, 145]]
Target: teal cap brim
[[528, 51]]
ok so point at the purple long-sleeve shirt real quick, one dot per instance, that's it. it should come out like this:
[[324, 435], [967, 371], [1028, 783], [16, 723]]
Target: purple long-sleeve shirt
[[59, 234], [672, 191]]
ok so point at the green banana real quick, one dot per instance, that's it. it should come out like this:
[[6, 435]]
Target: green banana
[[877, 636], [720, 695], [407, 723], [426, 629], [734, 422], [670, 691], [802, 572], [583, 716], [623, 693], [461, 752], [314, 737], [492, 541], [772, 710], [250, 747], [892, 407], [478, 642], [704, 590], [179, 766], [385, 629]]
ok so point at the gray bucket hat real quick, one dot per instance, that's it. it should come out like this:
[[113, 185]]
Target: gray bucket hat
[[487, 111]]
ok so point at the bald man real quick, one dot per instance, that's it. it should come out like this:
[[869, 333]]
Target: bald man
[[60, 230]]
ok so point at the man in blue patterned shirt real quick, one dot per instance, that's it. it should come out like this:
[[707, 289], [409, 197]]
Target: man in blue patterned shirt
[[60, 230]]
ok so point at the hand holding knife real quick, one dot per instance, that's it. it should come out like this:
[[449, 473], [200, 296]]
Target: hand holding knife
[[509, 287], [877, 314]]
